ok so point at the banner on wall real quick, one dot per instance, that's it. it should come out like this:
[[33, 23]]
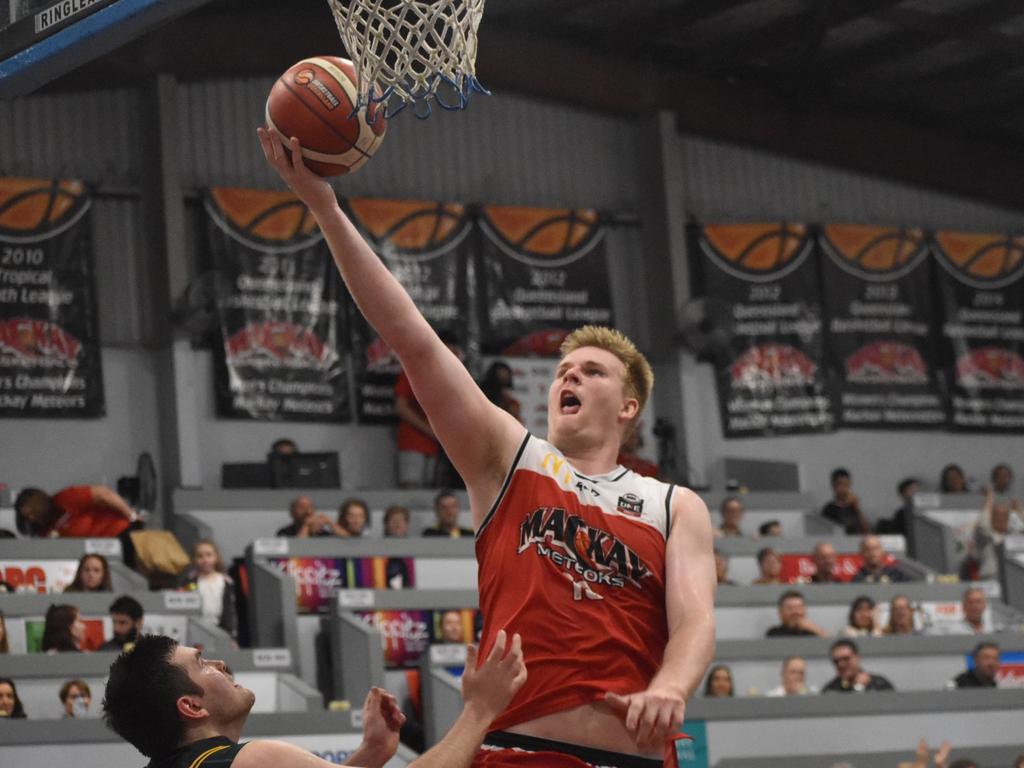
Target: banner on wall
[[406, 634], [41, 576], [771, 379], [317, 579], [881, 353], [544, 273], [425, 246], [981, 281], [49, 340], [278, 300]]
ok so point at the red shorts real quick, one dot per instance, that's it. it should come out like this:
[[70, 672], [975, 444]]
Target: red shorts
[[503, 749]]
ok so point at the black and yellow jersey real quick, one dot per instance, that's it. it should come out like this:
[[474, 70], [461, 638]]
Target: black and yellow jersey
[[218, 752]]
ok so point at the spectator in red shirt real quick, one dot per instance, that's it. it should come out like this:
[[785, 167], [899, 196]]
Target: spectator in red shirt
[[81, 511], [417, 446], [630, 460]]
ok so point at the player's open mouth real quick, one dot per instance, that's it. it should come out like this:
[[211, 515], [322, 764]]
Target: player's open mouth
[[568, 403]]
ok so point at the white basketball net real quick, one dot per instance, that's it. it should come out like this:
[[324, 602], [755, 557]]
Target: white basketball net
[[412, 51]]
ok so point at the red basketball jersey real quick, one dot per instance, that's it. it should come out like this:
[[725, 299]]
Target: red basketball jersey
[[576, 565]]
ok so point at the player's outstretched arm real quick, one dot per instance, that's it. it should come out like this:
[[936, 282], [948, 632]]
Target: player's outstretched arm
[[655, 715], [486, 692], [479, 437]]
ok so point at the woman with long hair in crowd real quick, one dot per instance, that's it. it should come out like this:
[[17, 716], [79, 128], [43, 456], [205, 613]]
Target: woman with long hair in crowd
[[719, 682], [93, 575], [64, 630], [901, 617], [860, 622], [10, 702]]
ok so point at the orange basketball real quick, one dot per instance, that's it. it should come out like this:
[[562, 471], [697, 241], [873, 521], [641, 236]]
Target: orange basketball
[[314, 101]]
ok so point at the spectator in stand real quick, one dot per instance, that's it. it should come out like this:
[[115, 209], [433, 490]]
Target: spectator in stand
[[793, 618], [81, 511], [452, 629], [722, 570], [861, 620], [353, 517], [770, 564], [976, 620], [497, 387], [844, 508], [731, 511], [63, 630], [824, 557], [126, 617], [941, 758], [794, 679], [997, 519], [952, 479], [875, 570], [93, 575], [901, 617], [306, 521], [208, 577], [396, 522], [76, 698], [10, 702], [447, 510], [897, 524], [770, 528], [284, 446], [986, 665], [718, 684], [1002, 479], [5, 646], [850, 677]]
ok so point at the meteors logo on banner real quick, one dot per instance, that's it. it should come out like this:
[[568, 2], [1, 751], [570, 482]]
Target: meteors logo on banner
[[597, 556]]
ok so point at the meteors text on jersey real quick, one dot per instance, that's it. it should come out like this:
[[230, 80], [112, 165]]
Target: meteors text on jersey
[[570, 543]]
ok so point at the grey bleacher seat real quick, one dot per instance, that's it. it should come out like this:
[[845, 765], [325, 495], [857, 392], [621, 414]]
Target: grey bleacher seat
[[762, 729], [268, 673], [748, 612], [797, 513], [742, 552], [940, 526], [438, 564], [911, 663], [176, 614], [1011, 571], [55, 562], [233, 519]]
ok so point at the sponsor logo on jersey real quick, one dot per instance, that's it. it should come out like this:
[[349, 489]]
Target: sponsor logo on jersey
[[568, 541], [630, 504]]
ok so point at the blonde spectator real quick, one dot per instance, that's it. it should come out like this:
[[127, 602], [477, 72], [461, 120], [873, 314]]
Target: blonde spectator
[[216, 589], [901, 617]]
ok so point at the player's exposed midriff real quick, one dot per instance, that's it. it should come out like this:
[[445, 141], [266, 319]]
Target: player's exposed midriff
[[590, 725]]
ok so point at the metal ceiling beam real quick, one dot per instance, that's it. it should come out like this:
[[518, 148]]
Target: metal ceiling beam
[[917, 32]]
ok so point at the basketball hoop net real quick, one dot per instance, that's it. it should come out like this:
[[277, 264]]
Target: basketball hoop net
[[412, 51]]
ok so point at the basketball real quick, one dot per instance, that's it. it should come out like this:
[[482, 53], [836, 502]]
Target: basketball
[[315, 102]]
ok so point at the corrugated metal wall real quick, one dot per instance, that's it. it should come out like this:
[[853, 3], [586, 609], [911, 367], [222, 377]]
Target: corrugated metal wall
[[92, 136], [502, 149], [727, 182]]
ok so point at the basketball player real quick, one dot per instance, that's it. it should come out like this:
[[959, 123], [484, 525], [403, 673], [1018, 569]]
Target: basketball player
[[184, 711], [610, 577]]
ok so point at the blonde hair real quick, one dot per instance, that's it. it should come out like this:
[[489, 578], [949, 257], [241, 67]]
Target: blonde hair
[[218, 564], [639, 376]]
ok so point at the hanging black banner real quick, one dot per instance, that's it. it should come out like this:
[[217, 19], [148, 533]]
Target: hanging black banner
[[425, 246], [49, 341], [280, 316], [770, 379], [881, 352], [981, 280], [544, 273]]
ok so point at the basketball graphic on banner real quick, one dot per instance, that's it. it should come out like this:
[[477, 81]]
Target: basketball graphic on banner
[[37, 205], [273, 216], [872, 249], [757, 248]]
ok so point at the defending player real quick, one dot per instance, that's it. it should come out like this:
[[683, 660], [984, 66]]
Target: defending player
[[609, 577], [184, 711]]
